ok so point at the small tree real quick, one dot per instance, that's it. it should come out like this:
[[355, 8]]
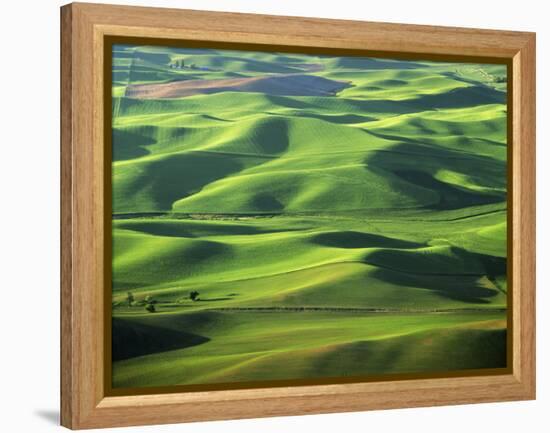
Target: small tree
[[150, 304], [130, 298], [194, 295], [150, 300]]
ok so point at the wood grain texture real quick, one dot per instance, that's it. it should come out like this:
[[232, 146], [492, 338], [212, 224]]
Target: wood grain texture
[[83, 400], [67, 394], [524, 215]]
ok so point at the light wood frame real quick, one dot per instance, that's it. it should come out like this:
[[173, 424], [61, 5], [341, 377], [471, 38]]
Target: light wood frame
[[84, 403]]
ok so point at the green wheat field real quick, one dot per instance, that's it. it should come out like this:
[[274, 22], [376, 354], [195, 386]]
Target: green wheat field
[[290, 216]]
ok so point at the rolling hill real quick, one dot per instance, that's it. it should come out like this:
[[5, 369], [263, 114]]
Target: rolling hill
[[338, 216]]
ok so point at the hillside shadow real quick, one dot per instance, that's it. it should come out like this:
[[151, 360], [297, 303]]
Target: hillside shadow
[[470, 291], [194, 230], [450, 197], [463, 79], [338, 119], [157, 58], [365, 63], [265, 202], [188, 257], [201, 251], [377, 106], [433, 350], [352, 239], [132, 339], [270, 136], [461, 97], [459, 139], [129, 145], [404, 269], [175, 177], [288, 102], [391, 82], [251, 65], [417, 165]]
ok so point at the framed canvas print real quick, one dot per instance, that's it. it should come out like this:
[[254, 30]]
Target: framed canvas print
[[270, 216]]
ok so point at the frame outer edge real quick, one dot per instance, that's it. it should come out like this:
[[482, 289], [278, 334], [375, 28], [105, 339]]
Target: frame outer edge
[[79, 409], [66, 88], [527, 202]]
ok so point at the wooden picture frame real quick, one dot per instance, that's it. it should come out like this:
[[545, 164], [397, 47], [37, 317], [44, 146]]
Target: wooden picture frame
[[85, 402]]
